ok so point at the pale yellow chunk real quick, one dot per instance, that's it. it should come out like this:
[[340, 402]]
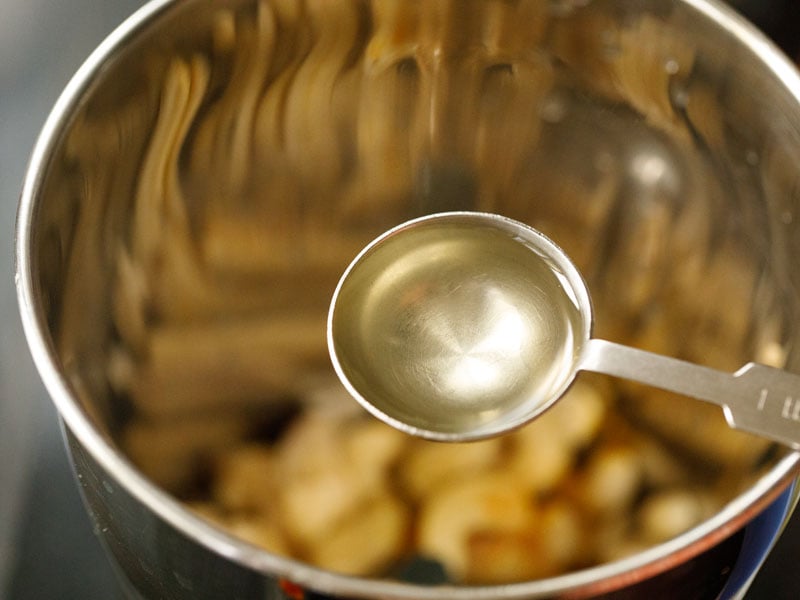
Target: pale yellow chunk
[[489, 504], [371, 539]]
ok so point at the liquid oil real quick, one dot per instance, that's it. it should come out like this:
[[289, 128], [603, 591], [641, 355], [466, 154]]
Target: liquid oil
[[452, 326]]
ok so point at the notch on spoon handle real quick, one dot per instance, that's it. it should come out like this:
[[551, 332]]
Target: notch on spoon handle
[[756, 398]]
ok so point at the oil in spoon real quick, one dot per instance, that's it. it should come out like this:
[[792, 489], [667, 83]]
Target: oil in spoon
[[452, 326]]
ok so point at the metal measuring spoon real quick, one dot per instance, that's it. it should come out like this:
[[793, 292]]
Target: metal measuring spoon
[[463, 325]]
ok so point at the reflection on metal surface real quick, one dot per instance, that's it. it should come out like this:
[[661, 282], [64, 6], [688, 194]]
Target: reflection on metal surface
[[231, 158], [457, 328]]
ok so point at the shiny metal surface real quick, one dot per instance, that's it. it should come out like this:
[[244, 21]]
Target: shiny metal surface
[[458, 326], [42, 43], [756, 398], [566, 140]]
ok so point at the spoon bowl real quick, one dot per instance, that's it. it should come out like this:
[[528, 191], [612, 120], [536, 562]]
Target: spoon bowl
[[459, 325]]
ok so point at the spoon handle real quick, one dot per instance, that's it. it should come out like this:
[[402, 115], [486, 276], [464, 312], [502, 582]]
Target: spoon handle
[[756, 398]]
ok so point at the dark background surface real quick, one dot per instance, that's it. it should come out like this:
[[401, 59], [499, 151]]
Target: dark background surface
[[47, 548]]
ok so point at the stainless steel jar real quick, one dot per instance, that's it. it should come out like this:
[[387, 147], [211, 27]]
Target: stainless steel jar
[[648, 134]]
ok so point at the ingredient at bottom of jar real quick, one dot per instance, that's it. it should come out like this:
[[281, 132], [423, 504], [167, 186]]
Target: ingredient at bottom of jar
[[347, 493]]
